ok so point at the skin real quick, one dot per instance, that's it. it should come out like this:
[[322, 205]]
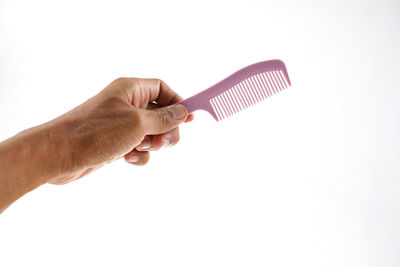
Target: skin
[[129, 118]]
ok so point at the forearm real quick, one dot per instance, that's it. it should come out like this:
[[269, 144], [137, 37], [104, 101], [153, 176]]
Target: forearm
[[28, 160]]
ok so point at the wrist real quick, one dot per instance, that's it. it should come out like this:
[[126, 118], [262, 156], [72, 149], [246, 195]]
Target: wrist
[[28, 160], [51, 144], [43, 149]]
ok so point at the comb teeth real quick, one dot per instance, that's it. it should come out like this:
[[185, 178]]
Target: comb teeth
[[248, 92]]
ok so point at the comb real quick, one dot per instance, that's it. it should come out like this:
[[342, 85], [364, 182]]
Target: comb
[[241, 90]]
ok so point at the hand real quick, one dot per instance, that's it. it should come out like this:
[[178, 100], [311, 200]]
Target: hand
[[129, 118]]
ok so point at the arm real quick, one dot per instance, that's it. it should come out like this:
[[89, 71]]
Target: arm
[[28, 160], [129, 118]]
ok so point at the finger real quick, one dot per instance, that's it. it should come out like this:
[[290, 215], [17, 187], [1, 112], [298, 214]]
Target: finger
[[162, 93], [162, 120], [138, 158], [152, 106], [146, 143], [156, 142], [156, 89], [168, 139], [189, 118]]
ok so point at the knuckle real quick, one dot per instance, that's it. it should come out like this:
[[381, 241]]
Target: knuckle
[[157, 80], [136, 117], [164, 118], [163, 84], [138, 122], [177, 138], [174, 139], [125, 81], [120, 80]]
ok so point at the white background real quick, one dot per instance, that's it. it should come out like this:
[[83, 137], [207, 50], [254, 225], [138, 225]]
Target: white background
[[309, 177]]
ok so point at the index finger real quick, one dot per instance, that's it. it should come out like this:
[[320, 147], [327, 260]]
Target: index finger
[[163, 95]]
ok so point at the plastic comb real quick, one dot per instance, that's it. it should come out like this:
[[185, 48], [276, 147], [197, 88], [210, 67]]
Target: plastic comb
[[241, 90]]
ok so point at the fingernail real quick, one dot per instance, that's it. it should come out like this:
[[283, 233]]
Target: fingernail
[[145, 146], [165, 142], [178, 112], [133, 158], [146, 143]]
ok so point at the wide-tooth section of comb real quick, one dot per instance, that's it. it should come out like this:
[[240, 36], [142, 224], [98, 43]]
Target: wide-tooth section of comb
[[248, 92]]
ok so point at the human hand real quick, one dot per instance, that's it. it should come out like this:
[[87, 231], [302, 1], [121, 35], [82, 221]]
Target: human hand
[[129, 118]]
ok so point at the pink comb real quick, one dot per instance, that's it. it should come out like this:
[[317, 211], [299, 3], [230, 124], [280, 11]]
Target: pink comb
[[242, 89]]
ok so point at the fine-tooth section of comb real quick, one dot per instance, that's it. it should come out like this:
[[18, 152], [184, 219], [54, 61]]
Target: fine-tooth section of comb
[[241, 90], [248, 92]]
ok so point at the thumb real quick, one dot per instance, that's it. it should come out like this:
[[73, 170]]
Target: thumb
[[162, 120]]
